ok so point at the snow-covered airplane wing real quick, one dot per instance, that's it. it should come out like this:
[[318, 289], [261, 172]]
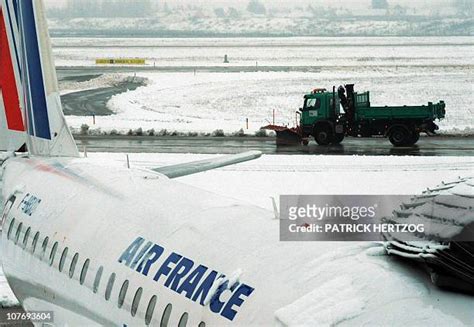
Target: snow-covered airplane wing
[[207, 164]]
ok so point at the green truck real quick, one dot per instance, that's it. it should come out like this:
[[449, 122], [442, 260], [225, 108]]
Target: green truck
[[331, 116]]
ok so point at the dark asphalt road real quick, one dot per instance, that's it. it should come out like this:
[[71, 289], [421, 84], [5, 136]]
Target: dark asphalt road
[[93, 102], [427, 146]]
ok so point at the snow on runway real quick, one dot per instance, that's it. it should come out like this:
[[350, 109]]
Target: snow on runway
[[397, 71], [269, 51]]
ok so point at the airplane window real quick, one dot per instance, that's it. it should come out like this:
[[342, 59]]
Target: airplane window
[[10, 228], [110, 285], [44, 246], [63, 259], [25, 239], [35, 241], [123, 292], [53, 253], [8, 206], [73, 265], [184, 320], [149, 310], [136, 301], [85, 267], [166, 315], [18, 231], [202, 324], [98, 276]]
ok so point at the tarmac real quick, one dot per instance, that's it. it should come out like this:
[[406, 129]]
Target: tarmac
[[94, 102], [426, 146]]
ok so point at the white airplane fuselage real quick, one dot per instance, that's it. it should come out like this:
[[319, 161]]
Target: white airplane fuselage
[[138, 230]]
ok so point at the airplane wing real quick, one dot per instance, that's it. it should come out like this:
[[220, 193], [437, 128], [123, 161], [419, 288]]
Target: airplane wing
[[207, 164]]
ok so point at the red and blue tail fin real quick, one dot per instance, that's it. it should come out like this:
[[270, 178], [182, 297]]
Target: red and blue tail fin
[[12, 127], [30, 100]]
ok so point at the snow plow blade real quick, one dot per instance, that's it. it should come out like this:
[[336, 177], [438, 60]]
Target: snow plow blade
[[287, 136]]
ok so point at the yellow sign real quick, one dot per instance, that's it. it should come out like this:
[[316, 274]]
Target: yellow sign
[[120, 61]]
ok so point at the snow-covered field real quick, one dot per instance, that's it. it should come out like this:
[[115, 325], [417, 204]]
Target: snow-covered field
[[272, 175], [353, 52], [205, 102], [376, 289], [398, 71]]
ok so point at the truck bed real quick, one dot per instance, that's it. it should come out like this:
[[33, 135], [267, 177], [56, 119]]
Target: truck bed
[[425, 112]]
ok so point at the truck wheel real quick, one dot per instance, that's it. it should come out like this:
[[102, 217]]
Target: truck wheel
[[415, 136], [399, 136], [323, 135], [338, 139]]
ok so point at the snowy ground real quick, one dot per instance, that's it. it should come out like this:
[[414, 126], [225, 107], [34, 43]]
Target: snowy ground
[[205, 102], [352, 52], [256, 181], [377, 282], [397, 70]]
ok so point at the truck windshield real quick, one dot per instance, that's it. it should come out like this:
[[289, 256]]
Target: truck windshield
[[312, 104]]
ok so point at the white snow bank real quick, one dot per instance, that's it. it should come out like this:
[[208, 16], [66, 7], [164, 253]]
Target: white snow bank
[[105, 80]]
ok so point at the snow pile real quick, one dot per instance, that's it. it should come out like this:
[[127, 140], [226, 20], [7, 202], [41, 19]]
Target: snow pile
[[105, 80]]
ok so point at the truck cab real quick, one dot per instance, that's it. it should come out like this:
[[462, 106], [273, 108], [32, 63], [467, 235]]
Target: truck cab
[[319, 105], [321, 116]]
